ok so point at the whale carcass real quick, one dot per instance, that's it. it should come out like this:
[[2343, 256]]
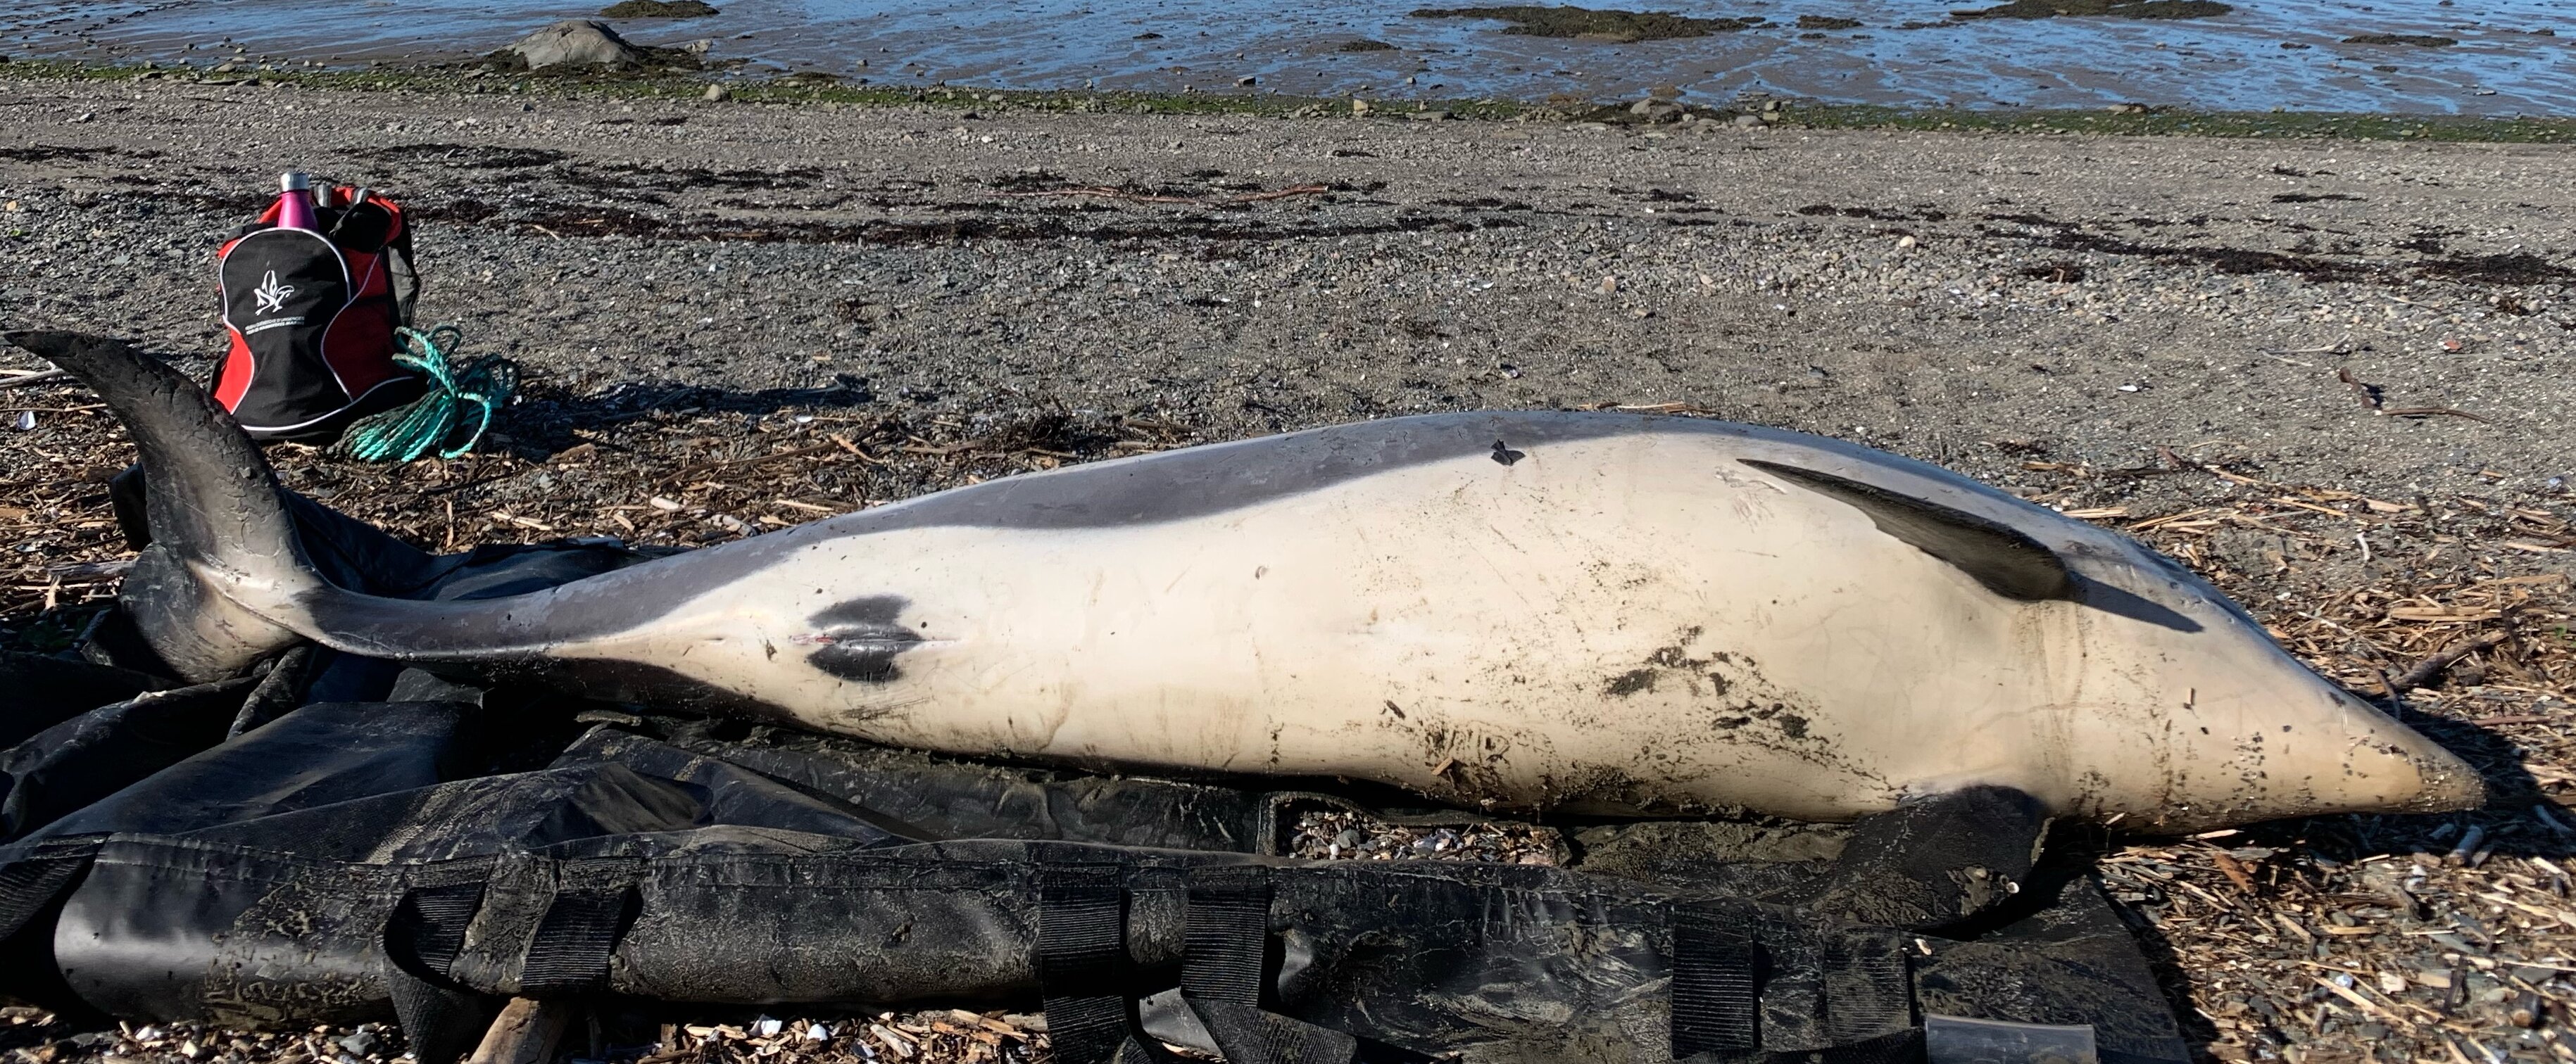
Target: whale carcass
[[1588, 612]]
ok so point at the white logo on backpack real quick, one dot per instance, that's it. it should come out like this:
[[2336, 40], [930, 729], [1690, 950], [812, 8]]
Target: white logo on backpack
[[272, 295]]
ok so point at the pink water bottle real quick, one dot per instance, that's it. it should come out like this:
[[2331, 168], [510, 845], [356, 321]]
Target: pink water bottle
[[295, 202]]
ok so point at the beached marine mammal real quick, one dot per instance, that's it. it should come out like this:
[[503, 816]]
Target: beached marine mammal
[[1591, 612]]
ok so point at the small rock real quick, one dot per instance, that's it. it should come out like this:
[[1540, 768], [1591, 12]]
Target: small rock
[[363, 1043], [1610, 286], [718, 93], [25, 421], [1906, 241], [1246, 81], [577, 42], [1654, 110], [1748, 121], [1359, 107]]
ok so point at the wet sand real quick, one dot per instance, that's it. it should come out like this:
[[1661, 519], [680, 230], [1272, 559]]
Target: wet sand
[[2257, 56]]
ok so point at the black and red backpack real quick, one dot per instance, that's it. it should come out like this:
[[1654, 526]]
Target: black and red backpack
[[312, 315]]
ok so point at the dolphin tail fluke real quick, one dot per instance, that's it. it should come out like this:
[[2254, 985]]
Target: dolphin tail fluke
[[224, 580]]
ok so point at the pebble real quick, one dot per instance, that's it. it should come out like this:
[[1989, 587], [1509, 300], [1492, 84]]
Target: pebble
[[717, 93]]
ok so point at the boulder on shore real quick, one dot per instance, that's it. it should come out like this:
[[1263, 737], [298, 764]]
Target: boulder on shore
[[578, 42]]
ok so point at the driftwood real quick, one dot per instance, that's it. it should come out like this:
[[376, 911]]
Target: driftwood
[[2424, 671], [525, 1033]]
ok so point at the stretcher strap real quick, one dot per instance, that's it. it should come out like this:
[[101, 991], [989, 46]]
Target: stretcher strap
[[1717, 993], [569, 952], [428, 927], [1864, 1001], [1225, 964], [1868, 992], [1082, 961], [440, 1019], [1226, 934]]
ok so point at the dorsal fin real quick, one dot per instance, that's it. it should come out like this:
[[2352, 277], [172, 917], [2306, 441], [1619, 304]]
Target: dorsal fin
[[1998, 556]]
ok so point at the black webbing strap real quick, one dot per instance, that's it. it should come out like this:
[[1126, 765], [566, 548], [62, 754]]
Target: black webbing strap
[[1717, 984], [569, 952], [1247, 1035], [1082, 961], [428, 926], [1227, 934], [1868, 992], [1225, 965], [440, 1019], [39, 877]]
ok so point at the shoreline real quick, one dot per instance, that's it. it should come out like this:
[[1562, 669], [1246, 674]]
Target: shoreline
[[489, 79]]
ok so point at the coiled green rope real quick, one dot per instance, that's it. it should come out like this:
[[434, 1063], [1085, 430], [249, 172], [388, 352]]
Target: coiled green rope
[[406, 432]]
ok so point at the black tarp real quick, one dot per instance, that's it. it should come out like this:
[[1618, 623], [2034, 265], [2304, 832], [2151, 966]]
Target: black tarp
[[335, 840]]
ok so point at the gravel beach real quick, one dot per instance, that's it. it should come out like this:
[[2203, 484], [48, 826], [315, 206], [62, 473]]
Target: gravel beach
[[2333, 376]]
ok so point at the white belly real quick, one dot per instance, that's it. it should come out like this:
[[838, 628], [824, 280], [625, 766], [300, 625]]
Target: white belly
[[1627, 623]]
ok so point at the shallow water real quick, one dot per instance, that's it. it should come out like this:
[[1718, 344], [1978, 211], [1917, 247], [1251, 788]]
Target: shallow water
[[2237, 61]]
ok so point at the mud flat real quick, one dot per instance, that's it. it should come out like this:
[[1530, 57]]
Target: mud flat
[[2335, 376]]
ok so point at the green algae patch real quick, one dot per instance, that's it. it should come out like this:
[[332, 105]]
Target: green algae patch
[[2417, 40], [2140, 9], [1616, 27]]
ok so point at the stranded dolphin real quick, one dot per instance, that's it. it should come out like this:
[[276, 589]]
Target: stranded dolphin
[[1598, 613]]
